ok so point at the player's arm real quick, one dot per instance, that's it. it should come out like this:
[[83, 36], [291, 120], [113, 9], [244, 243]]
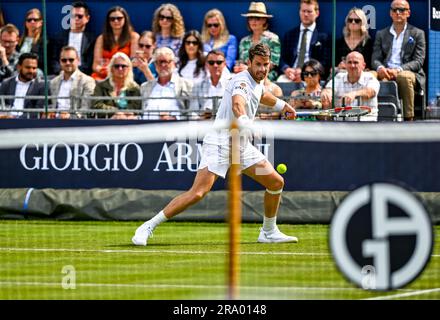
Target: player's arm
[[280, 105], [238, 106]]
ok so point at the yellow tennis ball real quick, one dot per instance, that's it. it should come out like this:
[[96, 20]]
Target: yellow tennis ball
[[281, 168]]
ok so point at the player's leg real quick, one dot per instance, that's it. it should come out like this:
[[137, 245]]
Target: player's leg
[[203, 183], [264, 173]]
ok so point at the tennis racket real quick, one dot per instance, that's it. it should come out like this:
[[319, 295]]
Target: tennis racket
[[343, 112]]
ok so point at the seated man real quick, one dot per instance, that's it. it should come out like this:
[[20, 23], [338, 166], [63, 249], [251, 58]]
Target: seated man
[[213, 84], [356, 87], [9, 36], [303, 43], [398, 55], [169, 85], [24, 84], [71, 83]]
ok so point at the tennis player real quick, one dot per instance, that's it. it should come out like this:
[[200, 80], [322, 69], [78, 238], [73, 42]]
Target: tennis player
[[243, 93]]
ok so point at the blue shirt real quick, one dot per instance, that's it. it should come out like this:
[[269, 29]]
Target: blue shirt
[[230, 50]]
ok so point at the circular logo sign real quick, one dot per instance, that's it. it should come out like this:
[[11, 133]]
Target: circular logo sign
[[381, 237]]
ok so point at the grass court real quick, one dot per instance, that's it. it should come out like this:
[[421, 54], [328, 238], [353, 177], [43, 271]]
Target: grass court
[[47, 259]]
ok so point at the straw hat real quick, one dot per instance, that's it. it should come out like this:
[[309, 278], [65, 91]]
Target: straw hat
[[257, 9]]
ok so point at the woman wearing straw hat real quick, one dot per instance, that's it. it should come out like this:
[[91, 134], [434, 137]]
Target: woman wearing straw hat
[[257, 23]]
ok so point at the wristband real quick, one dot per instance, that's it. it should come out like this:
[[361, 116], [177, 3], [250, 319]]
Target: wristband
[[279, 105], [243, 120]]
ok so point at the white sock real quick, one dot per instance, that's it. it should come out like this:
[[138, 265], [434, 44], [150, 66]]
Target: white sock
[[269, 223], [157, 219]]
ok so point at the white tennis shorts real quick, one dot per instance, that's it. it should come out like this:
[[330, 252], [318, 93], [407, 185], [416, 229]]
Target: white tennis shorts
[[216, 158]]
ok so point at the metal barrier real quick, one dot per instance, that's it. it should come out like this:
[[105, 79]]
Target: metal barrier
[[77, 110]]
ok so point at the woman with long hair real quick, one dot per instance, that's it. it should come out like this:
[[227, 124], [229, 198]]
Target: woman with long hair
[[215, 36], [118, 85], [355, 38], [143, 64], [168, 27], [32, 38], [191, 58], [118, 36]]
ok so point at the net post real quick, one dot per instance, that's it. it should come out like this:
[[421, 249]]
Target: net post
[[234, 204]]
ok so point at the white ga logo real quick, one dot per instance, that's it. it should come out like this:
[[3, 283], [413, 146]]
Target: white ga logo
[[412, 227]]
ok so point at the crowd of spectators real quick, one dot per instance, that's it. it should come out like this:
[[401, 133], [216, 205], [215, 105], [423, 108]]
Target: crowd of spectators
[[185, 67]]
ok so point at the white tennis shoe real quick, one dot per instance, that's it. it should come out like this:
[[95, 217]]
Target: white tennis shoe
[[142, 234], [275, 236]]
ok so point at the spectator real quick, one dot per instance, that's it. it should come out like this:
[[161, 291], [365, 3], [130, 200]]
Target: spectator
[[2, 18], [311, 74], [191, 58], [168, 27], [257, 23], [9, 36], [295, 50], [398, 55], [212, 85], [215, 35], [169, 85], [78, 37], [32, 38], [25, 83], [71, 83], [143, 66], [356, 87], [118, 36], [118, 85], [355, 38]]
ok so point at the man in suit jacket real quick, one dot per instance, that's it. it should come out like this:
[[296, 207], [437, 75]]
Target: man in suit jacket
[[402, 62], [317, 44], [24, 84], [78, 37], [71, 83], [169, 85]]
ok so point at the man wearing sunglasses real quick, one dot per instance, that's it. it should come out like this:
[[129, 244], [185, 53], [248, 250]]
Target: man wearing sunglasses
[[213, 85], [78, 37], [398, 55], [70, 83], [168, 85]]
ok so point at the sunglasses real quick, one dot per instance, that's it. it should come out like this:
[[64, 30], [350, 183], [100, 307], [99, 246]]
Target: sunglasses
[[354, 20], [194, 43], [399, 10], [162, 17], [120, 66], [218, 62], [147, 46], [309, 73], [213, 25], [78, 16], [113, 19], [32, 19], [163, 62], [64, 60]]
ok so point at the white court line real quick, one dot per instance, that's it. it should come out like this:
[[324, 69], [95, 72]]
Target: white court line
[[170, 251], [171, 286], [160, 251], [403, 295]]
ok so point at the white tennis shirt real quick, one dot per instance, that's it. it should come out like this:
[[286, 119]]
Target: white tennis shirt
[[241, 84]]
